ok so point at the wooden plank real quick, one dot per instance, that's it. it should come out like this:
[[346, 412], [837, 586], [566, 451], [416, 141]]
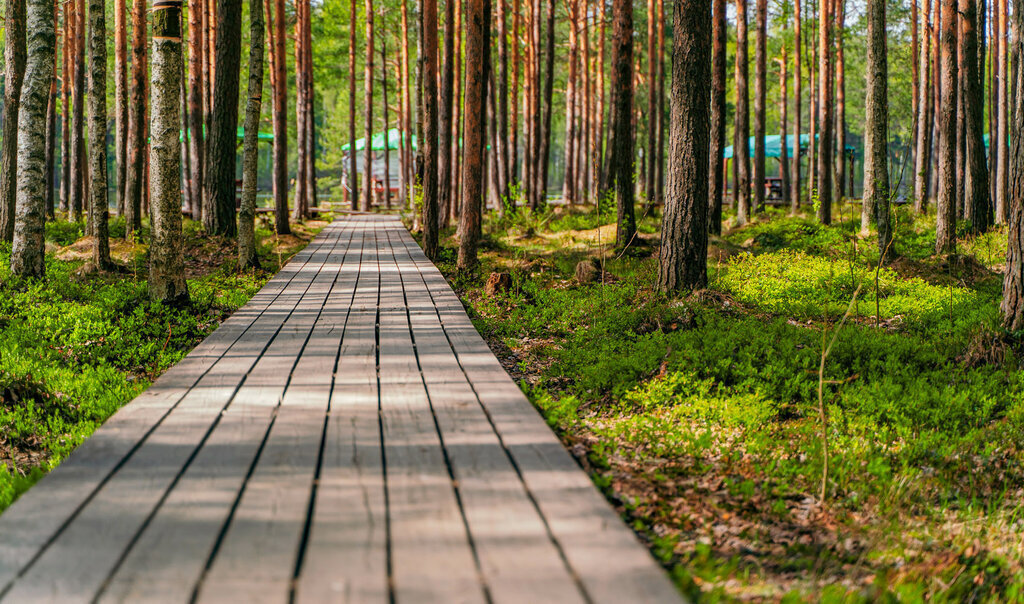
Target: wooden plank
[[257, 556], [519, 560], [605, 554], [431, 557], [83, 554], [346, 553], [171, 553], [36, 518]]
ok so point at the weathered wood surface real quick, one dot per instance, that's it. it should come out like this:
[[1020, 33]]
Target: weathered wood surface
[[347, 436]]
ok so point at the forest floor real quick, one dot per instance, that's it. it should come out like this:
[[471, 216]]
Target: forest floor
[[77, 346], [700, 417]]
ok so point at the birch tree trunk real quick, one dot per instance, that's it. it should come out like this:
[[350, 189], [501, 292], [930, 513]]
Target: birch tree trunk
[[98, 133], [166, 257], [14, 73], [247, 257], [28, 250], [683, 255], [51, 128]]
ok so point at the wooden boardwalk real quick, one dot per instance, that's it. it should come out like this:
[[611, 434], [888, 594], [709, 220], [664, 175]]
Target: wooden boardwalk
[[347, 436]]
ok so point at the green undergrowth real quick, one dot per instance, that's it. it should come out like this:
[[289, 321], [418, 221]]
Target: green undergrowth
[[700, 416], [74, 348]]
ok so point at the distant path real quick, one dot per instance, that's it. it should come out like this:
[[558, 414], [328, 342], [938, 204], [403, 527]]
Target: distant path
[[346, 436]]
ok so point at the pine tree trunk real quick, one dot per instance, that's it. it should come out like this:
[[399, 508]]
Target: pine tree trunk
[[568, 185], [922, 158], [915, 75], [660, 184], [1003, 119], [167, 264], [298, 211], [683, 255], [794, 193], [760, 105], [444, 177], [136, 124], [353, 174], [541, 186], [121, 101], [311, 140], [620, 153], [945, 224], [876, 111], [741, 130], [840, 81], [28, 250], [501, 140], [652, 103], [718, 118], [196, 137], [428, 142], [98, 132], [961, 118], [477, 44], [221, 156], [403, 119], [367, 200], [384, 114], [51, 129], [599, 175], [247, 257], [1013, 281], [14, 73], [279, 86], [784, 123], [456, 133], [65, 115], [978, 210], [825, 113]]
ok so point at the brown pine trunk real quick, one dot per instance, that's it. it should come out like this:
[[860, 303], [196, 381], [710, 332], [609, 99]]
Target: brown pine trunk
[[923, 142], [1013, 282], [876, 166], [840, 81], [978, 210], [717, 120], [620, 154], [915, 75], [367, 199], [384, 114], [825, 113], [353, 174], [784, 123], [683, 255], [403, 119], [569, 184], [444, 150], [652, 102], [501, 140], [456, 133], [428, 143], [65, 116], [945, 223], [541, 186], [529, 115], [741, 131], [599, 176], [812, 144], [1003, 119], [195, 110], [219, 182], [660, 184], [477, 44], [14, 73], [311, 185], [136, 125], [299, 212], [961, 115], [279, 87], [760, 106], [121, 100]]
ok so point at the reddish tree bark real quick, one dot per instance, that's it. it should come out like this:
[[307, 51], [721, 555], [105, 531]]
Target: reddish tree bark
[[716, 177], [945, 224]]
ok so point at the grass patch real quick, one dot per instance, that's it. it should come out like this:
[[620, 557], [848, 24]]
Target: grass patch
[[698, 417], [74, 349]]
